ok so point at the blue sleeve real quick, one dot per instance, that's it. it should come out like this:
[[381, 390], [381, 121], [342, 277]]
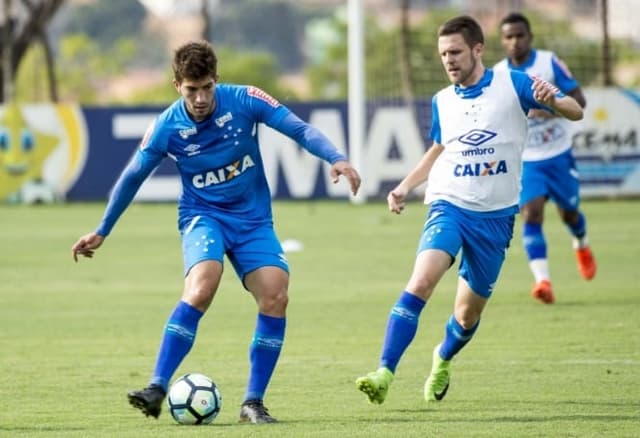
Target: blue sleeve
[[523, 85], [564, 80], [139, 168], [272, 113], [309, 137], [435, 134]]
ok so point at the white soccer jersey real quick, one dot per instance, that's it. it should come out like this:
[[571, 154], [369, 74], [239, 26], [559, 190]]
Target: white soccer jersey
[[548, 137], [483, 139]]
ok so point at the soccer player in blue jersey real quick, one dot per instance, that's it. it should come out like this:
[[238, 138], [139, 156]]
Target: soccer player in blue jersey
[[225, 208], [549, 169], [479, 128]]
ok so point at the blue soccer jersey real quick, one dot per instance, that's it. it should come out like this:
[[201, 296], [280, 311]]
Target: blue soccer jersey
[[218, 158]]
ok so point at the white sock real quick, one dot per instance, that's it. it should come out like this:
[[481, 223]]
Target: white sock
[[580, 243], [540, 269]]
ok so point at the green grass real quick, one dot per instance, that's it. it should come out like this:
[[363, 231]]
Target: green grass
[[75, 337]]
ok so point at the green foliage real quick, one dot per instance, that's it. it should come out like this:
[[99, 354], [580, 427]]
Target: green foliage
[[237, 67], [106, 22], [259, 26], [76, 337], [82, 65], [31, 78], [329, 77]]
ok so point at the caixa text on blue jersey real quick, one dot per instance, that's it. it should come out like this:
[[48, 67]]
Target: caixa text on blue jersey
[[223, 174]]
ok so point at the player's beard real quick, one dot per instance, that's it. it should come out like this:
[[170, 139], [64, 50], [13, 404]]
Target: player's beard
[[466, 74], [201, 112]]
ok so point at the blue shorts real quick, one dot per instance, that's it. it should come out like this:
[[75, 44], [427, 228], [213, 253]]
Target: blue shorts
[[482, 237], [247, 245], [555, 178]]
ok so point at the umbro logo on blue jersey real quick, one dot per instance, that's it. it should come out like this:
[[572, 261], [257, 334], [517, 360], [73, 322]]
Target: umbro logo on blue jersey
[[192, 149], [476, 137], [185, 133], [220, 121]]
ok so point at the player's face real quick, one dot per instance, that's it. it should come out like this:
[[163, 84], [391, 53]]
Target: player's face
[[198, 96], [461, 62], [516, 41]]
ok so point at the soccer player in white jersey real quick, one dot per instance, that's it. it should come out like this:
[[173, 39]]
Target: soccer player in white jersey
[[225, 208], [549, 169], [479, 127]]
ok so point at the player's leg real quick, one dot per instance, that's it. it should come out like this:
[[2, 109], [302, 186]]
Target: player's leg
[[533, 198], [565, 191], [203, 252], [439, 240], [259, 261], [483, 253], [459, 330]]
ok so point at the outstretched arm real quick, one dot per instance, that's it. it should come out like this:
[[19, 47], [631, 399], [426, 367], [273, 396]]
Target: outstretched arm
[[396, 199], [343, 167], [123, 192], [566, 106]]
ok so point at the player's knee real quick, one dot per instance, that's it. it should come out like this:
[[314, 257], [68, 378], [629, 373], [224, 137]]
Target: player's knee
[[274, 303], [199, 297]]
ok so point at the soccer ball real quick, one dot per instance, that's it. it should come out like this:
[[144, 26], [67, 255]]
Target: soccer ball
[[194, 399]]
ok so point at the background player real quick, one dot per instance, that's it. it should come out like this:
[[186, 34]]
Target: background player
[[549, 169], [473, 196], [225, 208]]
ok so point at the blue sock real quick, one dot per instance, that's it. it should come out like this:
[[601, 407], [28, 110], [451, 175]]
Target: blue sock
[[533, 240], [179, 334], [455, 337], [580, 228], [263, 354], [401, 329]]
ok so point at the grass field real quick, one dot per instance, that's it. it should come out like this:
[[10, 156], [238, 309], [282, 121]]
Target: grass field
[[75, 337]]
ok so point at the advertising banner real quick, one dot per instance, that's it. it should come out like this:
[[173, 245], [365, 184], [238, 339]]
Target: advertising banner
[[67, 152]]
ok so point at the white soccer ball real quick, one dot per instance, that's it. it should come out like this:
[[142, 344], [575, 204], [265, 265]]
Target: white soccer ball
[[194, 399]]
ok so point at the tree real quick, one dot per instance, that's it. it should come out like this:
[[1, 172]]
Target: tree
[[25, 23]]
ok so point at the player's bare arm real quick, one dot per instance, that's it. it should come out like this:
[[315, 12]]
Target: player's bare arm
[[566, 106], [86, 245], [348, 171], [396, 197]]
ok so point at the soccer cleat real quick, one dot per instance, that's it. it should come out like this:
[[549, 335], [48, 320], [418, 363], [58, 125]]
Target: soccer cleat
[[254, 411], [586, 263], [543, 292], [437, 384], [376, 384], [148, 400]]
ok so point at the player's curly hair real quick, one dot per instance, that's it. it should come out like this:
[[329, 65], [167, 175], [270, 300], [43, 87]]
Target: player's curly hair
[[195, 60]]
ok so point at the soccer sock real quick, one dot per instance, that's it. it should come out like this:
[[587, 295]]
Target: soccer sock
[[579, 232], [179, 334], [263, 354], [455, 338], [536, 248], [401, 329]]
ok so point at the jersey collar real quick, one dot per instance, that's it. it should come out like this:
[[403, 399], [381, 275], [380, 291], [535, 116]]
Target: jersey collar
[[476, 89]]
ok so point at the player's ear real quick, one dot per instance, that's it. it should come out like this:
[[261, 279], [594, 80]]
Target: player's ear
[[176, 84]]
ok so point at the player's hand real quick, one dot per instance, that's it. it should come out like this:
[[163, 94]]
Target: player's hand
[[396, 200], [544, 92], [344, 168], [86, 245]]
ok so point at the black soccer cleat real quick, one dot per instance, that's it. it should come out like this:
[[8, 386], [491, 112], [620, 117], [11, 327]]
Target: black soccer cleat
[[148, 400], [253, 411]]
